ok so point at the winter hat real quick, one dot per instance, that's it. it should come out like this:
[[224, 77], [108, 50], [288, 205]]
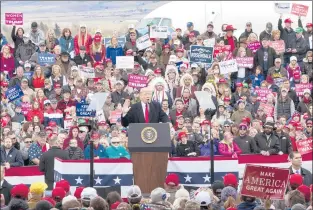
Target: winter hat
[[63, 184], [158, 195], [288, 20], [182, 193], [115, 205], [78, 192], [20, 191], [18, 204], [230, 180], [68, 198], [217, 185], [43, 205], [50, 200], [296, 179], [305, 190], [172, 179], [228, 191], [134, 194], [38, 188], [58, 193], [298, 206], [181, 135], [203, 198], [293, 58]]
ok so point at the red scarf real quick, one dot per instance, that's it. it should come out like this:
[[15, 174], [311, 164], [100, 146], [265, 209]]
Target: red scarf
[[306, 100]]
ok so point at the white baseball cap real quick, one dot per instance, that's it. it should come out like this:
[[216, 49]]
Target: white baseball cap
[[159, 195], [131, 26], [203, 198], [88, 193]]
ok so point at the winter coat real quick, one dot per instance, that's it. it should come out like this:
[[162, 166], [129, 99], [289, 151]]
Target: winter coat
[[37, 82], [262, 144], [3, 41], [37, 37], [7, 64], [66, 142], [25, 51], [227, 149], [256, 80], [87, 44], [264, 34], [66, 44], [282, 72], [66, 67], [308, 69], [237, 116], [117, 152], [284, 107], [259, 58], [182, 150], [284, 142], [306, 35], [14, 157], [245, 34], [130, 46], [128, 35], [289, 37], [246, 144], [207, 35], [98, 56], [246, 206], [82, 61], [301, 47], [75, 153], [112, 52], [205, 149], [62, 105], [99, 151]]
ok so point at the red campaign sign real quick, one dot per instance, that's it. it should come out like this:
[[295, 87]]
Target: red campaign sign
[[245, 62], [26, 107], [304, 146], [299, 10], [301, 87], [262, 93], [254, 46], [268, 109], [137, 81], [265, 182], [16, 18], [114, 115], [279, 46], [221, 49]]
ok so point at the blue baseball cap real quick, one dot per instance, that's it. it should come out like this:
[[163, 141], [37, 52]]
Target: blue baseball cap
[[189, 24]]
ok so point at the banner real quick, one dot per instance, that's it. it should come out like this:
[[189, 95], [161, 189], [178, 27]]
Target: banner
[[137, 81], [254, 46], [209, 42], [245, 62], [279, 81], [143, 42], [16, 18], [299, 10], [205, 100], [115, 115], [265, 182], [125, 62], [301, 87], [100, 115], [81, 111], [160, 32], [267, 108], [262, 93], [200, 54], [46, 58], [221, 49], [86, 72], [304, 146], [282, 8], [26, 107], [121, 41], [279, 46], [28, 74], [228, 66], [14, 93]]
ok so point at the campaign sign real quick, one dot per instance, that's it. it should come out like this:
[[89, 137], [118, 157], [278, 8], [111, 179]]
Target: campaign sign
[[46, 58], [125, 62], [26, 107], [115, 115], [301, 87], [86, 72], [228, 66], [14, 93], [262, 93], [209, 42], [137, 81], [281, 8], [143, 42], [265, 182], [16, 18], [221, 49], [28, 74], [201, 54], [299, 10], [267, 108], [279, 81], [304, 146], [160, 32], [81, 111], [279, 46], [121, 41], [245, 62], [254, 46]]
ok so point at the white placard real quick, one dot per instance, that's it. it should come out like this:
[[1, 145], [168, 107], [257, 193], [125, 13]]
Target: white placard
[[97, 101], [228, 66], [209, 42], [160, 32], [205, 100], [125, 62], [282, 8], [86, 72], [100, 115], [143, 42]]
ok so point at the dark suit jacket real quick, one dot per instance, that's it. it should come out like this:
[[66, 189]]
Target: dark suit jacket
[[172, 115], [135, 114], [6, 191], [306, 174]]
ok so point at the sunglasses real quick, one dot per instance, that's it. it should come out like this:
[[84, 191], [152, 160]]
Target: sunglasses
[[309, 126], [28, 142]]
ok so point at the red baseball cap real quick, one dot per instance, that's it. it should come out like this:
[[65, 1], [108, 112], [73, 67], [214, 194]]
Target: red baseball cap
[[152, 39], [166, 46], [192, 34], [78, 192], [226, 99], [58, 192], [299, 128], [97, 38], [305, 190], [63, 184], [98, 64], [20, 190], [222, 80], [179, 50], [107, 60], [157, 71], [230, 180], [178, 29], [172, 179], [181, 135], [102, 123], [239, 84], [52, 124], [288, 20], [4, 84], [49, 199], [205, 122], [136, 65], [309, 25], [57, 85], [296, 179]]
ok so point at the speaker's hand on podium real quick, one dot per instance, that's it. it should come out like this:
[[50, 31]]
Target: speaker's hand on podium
[[126, 107]]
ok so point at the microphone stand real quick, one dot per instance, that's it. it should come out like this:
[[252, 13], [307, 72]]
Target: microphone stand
[[211, 150], [91, 173]]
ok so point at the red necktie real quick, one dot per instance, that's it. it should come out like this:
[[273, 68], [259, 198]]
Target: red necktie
[[147, 113]]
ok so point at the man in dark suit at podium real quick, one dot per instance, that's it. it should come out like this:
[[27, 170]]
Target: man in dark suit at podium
[[144, 111]]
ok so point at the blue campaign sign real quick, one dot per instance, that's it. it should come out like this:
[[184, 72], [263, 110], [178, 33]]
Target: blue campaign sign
[[14, 93], [201, 54], [178, 65], [46, 58], [81, 110], [28, 74], [121, 41]]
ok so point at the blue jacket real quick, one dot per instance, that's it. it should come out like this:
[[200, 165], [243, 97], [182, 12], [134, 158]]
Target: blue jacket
[[246, 206], [112, 52], [63, 44], [205, 149], [99, 151], [256, 81], [14, 157], [3, 41], [117, 152]]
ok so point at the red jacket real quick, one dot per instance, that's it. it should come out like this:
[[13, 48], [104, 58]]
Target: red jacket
[[62, 105], [38, 82], [41, 103], [35, 112], [228, 150], [87, 44], [7, 64]]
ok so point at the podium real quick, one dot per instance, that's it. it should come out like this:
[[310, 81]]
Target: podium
[[149, 145]]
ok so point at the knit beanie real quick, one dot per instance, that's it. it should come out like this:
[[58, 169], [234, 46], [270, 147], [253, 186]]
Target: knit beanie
[[228, 191], [217, 185], [43, 205], [18, 204], [298, 207]]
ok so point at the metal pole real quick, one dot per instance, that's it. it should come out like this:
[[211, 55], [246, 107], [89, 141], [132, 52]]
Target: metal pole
[[91, 175], [211, 151]]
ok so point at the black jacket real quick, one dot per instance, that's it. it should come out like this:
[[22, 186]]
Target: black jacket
[[285, 142], [289, 37], [14, 157], [272, 145], [182, 150], [259, 58], [306, 174], [16, 39], [82, 61], [6, 191], [46, 164], [135, 114], [246, 144]]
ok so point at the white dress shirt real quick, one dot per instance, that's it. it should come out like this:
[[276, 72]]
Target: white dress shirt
[[295, 171], [144, 108]]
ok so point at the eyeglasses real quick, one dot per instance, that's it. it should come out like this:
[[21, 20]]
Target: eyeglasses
[[226, 126]]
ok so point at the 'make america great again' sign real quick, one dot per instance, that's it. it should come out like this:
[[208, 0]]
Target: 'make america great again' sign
[[265, 182]]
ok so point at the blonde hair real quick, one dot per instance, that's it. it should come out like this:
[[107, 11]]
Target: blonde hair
[[275, 32], [54, 67], [230, 202], [50, 43], [42, 75], [6, 55], [80, 37], [240, 49], [251, 36]]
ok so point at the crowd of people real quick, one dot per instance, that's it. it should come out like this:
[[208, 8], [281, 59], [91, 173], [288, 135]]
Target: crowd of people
[[42, 124]]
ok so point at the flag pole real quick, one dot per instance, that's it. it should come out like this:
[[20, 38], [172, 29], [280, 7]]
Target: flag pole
[[91, 173]]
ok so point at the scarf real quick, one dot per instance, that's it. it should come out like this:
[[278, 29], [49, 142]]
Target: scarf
[[306, 100]]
